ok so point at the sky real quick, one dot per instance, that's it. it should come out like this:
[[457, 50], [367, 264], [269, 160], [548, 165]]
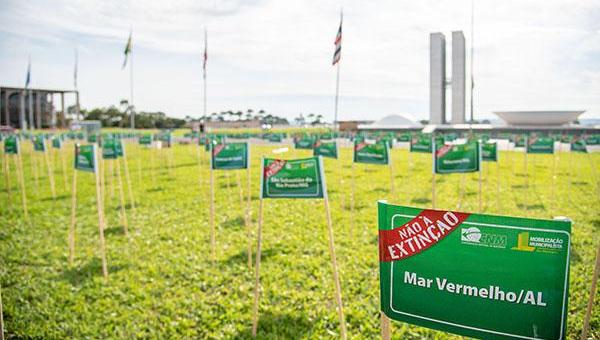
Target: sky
[[276, 55]]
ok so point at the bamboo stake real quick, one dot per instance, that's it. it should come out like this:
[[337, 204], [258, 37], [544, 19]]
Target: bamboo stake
[[20, 177], [34, 168], [1, 317], [385, 327], [101, 226], [338, 288], [212, 216], [122, 198], [590, 306], [6, 167], [257, 270], [50, 173], [63, 160], [248, 216], [111, 178], [498, 182], [391, 166], [73, 219], [128, 179]]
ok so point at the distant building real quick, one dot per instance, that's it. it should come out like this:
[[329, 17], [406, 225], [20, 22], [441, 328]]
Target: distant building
[[392, 122], [539, 118], [226, 124], [351, 125], [26, 108], [438, 81]]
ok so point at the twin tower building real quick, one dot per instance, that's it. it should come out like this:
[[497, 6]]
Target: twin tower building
[[438, 81]]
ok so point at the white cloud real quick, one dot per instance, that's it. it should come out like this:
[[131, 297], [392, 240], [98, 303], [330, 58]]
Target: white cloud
[[276, 54]]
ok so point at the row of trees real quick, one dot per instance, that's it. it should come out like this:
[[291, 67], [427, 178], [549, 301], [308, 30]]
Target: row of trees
[[118, 116], [235, 116], [114, 116]]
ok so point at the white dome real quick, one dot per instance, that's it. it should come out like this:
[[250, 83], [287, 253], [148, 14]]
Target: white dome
[[393, 122]]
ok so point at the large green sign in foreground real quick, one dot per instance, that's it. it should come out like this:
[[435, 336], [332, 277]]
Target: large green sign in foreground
[[230, 156], [296, 178], [372, 153], [475, 275], [457, 158]]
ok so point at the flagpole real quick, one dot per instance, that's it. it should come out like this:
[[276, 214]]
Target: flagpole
[[204, 73], [337, 95], [131, 110]]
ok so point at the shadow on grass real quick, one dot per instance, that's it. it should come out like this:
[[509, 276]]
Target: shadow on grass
[[596, 224], [92, 268], [114, 231], [519, 186], [279, 326], [58, 198], [242, 256], [184, 165], [538, 206], [580, 183], [421, 200], [155, 189], [234, 222]]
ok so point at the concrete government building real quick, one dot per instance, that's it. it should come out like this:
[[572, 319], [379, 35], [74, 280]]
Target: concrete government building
[[34, 108]]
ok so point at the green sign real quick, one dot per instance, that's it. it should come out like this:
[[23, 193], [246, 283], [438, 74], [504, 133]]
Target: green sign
[[325, 149], [372, 153], [540, 145], [39, 143], [421, 144], [85, 157], [230, 156], [457, 158], [296, 178], [304, 143], [145, 140], [520, 141], [92, 138], [593, 140], [110, 149], [11, 145], [481, 276], [489, 152], [578, 145], [56, 142], [275, 137], [405, 137]]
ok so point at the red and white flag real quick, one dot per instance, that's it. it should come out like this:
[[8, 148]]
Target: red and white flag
[[337, 54]]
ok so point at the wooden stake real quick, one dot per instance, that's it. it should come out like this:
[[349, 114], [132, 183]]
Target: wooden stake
[[20, 177], [552, 196], [63, 160], [34, 169], [248, 219], [391, 176], [6, 167], [498, 182], [101, 226], [122, 198], [433, 190], [480, 192], [385, 327], [1, 317], [590, 306], [111, 177], [336, 279], [73, 219], [212, 216], [50, 173], [257, 269], [128, 179]]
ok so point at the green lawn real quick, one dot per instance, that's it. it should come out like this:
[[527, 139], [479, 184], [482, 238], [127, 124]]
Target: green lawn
[[162, 283]]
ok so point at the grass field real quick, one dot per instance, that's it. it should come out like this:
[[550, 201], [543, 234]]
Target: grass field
[[161, 280]]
